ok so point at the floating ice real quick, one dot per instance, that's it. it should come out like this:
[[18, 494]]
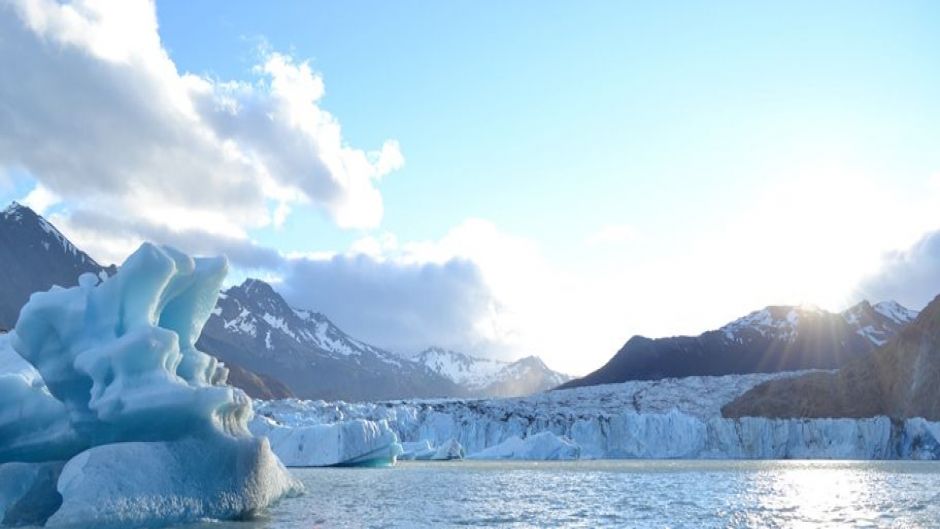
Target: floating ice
[[346, 443], [115, 384], [151, 484], [541, 446], [422, 450]]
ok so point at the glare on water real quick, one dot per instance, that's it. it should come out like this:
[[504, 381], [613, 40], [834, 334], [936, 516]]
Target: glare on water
[[589, 494]]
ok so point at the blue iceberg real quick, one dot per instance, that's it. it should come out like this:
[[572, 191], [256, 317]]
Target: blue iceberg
[[103, 392]]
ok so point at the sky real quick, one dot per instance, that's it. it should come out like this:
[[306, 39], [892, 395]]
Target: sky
[[499, 178]]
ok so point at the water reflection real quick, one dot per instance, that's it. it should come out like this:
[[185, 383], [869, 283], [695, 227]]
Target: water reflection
[[590, 494]]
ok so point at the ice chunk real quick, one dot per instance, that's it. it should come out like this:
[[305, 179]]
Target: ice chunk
[[116, 369], [121, 355], [346, 443], [28, 494], [541, 446], [422, 450], [162, 483], [448, 450], [417, 450], [34, 426]]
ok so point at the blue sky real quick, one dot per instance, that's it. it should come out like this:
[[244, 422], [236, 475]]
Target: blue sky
[[565, 117], [602, 168]]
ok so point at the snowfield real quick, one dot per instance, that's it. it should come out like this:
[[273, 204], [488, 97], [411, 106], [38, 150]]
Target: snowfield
[[674, 418]]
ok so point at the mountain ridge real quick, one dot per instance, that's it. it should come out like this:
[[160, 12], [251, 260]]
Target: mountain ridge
[[254, 326], [775, 338], [34, 255], [491, 378], [897, 380]]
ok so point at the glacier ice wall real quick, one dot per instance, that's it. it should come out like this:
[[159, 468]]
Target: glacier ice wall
[[106, 375], [675, 418]]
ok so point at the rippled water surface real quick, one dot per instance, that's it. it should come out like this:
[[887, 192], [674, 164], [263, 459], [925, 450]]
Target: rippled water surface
[[615, 494]]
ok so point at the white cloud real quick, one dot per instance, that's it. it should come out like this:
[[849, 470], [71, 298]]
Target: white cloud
[[477, 289], [404, 307], [612, 234], [910, 277], [92, 106], [40, 199]]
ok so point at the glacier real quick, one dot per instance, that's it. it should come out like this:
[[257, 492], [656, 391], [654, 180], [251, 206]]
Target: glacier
[[104, 394], [662, 419]]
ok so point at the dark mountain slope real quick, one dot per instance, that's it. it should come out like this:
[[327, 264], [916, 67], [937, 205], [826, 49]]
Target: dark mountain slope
[[774, 339], [34, 255], [900, 380], [254, 327]]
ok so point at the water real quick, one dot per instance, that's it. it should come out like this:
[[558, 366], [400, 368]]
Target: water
[[592, 494]]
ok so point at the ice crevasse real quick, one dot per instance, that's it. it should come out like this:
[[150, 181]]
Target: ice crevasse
[[109, 415]]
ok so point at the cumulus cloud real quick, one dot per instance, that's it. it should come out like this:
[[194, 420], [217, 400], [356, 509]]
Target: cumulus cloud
[[401, 306], [92, 106], [124, 236], [910, 277], [477, 289], [612, 234]]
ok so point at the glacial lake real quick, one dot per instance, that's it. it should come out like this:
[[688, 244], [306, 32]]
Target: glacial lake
[[591, 494]]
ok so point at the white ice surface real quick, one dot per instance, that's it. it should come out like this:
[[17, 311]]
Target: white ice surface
[[353, 442], [673, 418]]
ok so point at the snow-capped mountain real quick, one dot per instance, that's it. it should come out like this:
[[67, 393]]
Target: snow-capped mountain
[[491, 378], [898, 380], [253, 326], [272, 350], [34, 255], [776, 338]]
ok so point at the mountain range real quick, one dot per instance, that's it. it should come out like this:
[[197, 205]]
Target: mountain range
[[777, 338], [487, 377], [272, 350], [253, 326], [898, 380]]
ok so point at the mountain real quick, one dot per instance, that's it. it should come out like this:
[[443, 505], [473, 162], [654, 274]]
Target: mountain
[[253, 326], [34, 255], [898, 380], [271, 349], [491, 378], [778, 338]]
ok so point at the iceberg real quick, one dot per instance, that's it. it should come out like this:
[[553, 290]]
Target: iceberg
[[148, 484], [106, 376], [355, 442], [540, 446], [423, 451]]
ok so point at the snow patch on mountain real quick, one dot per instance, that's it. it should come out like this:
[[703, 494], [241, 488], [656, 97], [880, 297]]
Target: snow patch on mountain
[[896, 312], [489, 377], [252, 325], [781, 323]]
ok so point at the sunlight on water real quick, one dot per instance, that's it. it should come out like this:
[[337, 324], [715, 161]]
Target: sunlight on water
[[693, 494]]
